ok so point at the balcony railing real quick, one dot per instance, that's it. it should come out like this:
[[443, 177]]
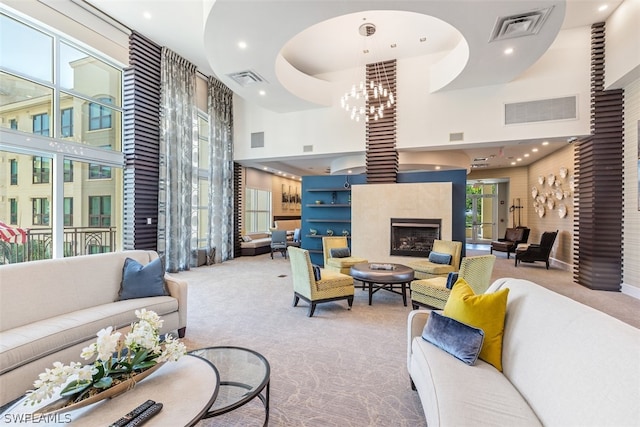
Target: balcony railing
[[77, 241]]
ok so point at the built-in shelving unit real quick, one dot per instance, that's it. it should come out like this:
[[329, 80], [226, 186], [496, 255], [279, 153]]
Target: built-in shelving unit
[[326, 205]]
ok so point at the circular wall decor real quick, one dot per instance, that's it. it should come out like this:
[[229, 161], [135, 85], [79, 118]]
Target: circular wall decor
[[559, 194], [551, 179], [563, 173], [541, 211], [550, 203], [540, 179], [534, 192]]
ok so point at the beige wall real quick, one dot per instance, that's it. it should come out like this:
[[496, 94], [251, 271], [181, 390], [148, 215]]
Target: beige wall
[[373, 205], [631, 222]]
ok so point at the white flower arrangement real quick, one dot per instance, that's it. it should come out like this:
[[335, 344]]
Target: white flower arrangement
[[116, 360]]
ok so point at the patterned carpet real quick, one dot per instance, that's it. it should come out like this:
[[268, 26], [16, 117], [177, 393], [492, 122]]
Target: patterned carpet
[[339, 368]]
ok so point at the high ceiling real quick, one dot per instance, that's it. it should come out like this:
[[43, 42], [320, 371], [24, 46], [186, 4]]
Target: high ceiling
[[304, 40]]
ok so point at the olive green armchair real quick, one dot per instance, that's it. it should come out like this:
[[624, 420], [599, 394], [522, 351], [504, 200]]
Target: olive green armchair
[[341, 265], [331, 286], [425, 269], [433, 292]]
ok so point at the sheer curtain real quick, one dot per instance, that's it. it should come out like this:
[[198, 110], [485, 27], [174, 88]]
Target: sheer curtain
[[178, 157], [220, 108]]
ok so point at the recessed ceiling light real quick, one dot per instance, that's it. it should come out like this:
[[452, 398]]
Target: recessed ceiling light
[[603, 8], [513, 163], [262, 93], [508, 51], [526, 154], [349, 171], [519, 159], [265, 168], [545, 142], [242, 44], [437, 168], [146, 15]]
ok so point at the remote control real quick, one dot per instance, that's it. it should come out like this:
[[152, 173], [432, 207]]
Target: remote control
[[146, 415], [131, 415]]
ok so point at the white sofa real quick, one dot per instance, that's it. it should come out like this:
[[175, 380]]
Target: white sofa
[[51, 309], [564, 364]]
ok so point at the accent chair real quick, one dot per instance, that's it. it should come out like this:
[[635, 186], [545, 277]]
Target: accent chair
[[279, 242], [329, 286], [426, 269], [512, 238], [434, 293], [343, 264], [538, 252]]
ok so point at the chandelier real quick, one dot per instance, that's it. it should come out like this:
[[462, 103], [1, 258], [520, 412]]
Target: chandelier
[[368, 100]]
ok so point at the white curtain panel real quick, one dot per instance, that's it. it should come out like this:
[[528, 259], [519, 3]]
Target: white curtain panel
[[177, 180], [220, 105]]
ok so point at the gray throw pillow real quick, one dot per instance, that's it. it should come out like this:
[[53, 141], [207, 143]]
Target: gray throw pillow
[[339, 252], [439, 258], [462, 341], [140, 281]]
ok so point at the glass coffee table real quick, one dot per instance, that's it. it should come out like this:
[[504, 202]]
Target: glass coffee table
[[244, 375]]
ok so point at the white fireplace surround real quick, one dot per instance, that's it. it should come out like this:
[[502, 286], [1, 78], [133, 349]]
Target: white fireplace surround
[[373, 206]]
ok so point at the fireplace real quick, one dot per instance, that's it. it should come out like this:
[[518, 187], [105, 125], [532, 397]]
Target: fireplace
[[414, 236]]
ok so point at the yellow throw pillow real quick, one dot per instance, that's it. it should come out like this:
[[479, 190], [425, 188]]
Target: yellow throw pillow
[[485, 311]]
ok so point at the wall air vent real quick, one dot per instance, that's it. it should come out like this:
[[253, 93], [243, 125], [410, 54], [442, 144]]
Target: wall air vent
[[456, 136], [479, 165], [523, 24], [307, 148], [257, 140], [246, 78], [543, 110]]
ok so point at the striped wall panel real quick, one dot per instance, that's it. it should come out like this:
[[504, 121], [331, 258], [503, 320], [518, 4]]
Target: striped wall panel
[[381, 153], [141, 141], [599, 160], [238, 185]]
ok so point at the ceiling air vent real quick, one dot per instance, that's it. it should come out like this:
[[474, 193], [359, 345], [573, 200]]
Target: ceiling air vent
[[246, 78], [523, 24]]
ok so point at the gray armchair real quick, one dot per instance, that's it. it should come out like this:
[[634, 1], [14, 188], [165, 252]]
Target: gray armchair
[[279, 242]]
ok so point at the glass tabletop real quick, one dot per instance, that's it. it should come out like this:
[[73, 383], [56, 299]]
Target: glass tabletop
[[243, 374]]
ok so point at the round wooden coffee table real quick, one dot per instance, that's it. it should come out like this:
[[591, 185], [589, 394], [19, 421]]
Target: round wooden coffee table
[[391, 277]]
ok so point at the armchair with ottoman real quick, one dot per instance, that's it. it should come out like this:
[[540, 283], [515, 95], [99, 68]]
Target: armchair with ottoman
[[562, 364], [512, 238], [436, 266]]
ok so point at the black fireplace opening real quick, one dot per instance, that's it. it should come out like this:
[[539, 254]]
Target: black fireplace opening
[[414, 236]]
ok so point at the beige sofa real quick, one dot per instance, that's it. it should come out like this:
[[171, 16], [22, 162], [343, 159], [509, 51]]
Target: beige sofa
[[564, 364], [255, 244], [51, 309]]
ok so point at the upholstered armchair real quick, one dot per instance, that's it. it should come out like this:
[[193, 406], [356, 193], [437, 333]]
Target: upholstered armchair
[[433, 293], [538, 252], [426, 269], [328, 286], [512, 238], [343, 260], [279, 242]]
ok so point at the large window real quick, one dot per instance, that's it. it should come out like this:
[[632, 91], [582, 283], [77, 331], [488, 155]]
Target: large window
[[73, 95], [100, 211], [40, 211], [41, 170], [258, 210]]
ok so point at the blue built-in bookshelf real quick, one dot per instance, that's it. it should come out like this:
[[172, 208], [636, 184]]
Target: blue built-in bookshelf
[[326, 205], [333, 210]]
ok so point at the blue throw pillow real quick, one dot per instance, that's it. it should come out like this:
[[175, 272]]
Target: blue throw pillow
[[439, 258], [316, 272], [451, 279], [339, 252], [140, 281], [462, 341]]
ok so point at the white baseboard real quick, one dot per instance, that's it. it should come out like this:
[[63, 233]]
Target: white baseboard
[[632, 291], [560, 264]]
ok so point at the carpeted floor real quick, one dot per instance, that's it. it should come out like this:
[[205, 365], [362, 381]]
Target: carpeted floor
[[340, 367]]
